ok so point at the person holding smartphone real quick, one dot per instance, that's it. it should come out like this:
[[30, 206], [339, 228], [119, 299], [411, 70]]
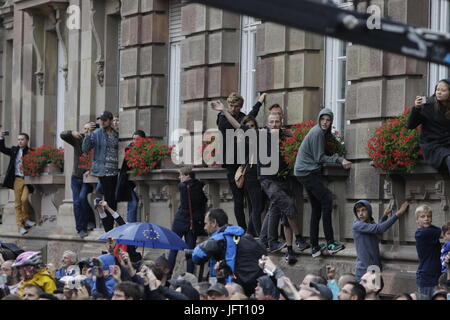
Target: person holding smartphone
[[84, 216], [433, 114], [15, 180]]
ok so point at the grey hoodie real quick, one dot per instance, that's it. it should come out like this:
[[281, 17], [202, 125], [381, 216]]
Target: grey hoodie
[[366, 239], [311, 153]]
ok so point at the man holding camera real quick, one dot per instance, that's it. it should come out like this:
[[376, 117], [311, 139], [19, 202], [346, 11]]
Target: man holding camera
[[14, 179], [105, 165], [84, 216]]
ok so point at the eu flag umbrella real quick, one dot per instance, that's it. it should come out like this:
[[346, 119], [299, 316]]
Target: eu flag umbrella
[[143, 234]]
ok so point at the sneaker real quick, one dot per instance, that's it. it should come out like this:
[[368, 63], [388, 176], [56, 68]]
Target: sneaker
[[29, 224], [302, 244], [335, 247], [23, 231], [91, 226], [317, 251], [277, 246], [83, 234], [291, 258]]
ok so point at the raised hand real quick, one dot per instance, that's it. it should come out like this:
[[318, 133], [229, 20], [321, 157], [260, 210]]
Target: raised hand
[[218, 106]]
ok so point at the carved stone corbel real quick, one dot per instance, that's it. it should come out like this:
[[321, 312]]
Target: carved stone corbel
[[441, 190], [59, 25], [38, 48], [100, 62]]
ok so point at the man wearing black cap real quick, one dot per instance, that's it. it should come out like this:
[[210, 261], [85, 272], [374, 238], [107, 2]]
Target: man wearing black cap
[[105, 165]]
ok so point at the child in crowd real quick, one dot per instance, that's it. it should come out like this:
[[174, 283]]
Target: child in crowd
[[429, 251], [366, 231], [445, 251]]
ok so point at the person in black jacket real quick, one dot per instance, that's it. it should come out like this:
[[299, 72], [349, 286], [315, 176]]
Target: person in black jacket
[[84, 216], [235, 103], [189, 219], [14, 179], [434, 116], [125, 187]]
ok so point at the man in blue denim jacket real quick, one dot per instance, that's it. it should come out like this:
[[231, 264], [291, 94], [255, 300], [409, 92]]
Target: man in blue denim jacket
[[105, 165]]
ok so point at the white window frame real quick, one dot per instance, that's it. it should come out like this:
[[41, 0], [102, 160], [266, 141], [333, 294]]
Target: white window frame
[[60, 96], [248, 61], [175, 37], [439, 20], [333, 76]]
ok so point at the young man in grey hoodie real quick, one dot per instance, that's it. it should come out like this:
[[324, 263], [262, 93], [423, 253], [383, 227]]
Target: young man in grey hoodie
[[365, 233], [311, 155]]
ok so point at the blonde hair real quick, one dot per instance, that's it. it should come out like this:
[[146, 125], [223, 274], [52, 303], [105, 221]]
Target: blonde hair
[[234, 99], [423, 208]]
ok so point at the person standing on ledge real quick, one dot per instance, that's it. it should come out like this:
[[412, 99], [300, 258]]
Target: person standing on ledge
[[105, 165], [15, 179]]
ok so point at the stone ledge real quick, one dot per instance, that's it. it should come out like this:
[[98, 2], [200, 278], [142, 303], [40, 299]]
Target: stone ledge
[[50, 179]]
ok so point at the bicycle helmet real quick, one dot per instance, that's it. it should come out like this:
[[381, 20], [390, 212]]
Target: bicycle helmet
[[28, 258]]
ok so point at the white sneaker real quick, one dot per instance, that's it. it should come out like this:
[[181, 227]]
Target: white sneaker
[[29, 224], [23, 231]]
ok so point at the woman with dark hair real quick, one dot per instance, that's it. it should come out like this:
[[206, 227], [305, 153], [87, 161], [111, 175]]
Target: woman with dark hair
[[434, 116], [252, 186]]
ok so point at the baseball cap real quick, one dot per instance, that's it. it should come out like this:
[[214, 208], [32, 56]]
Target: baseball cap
[[324, 291], [189, 277], [105, 116], [219, 288]]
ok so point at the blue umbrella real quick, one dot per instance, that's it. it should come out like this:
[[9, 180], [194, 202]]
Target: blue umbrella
[[143, 234]]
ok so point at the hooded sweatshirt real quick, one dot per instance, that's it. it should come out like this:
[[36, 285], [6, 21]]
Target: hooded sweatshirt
[[311, 154], [366, 239]]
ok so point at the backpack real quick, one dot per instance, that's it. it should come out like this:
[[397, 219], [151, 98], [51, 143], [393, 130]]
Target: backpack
[[247, 270], [13, 248]]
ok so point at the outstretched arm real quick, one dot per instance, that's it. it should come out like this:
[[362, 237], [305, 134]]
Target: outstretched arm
[[218, 106]]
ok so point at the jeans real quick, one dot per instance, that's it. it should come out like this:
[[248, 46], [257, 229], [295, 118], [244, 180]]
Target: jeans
[[255, 193], [238, 197], [181, 228], [109, 188], [132, 207], [321, 203], [81, 209], [426, 290], [282, 206]]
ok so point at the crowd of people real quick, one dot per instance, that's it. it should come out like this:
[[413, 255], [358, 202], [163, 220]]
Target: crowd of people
[[237, 256]]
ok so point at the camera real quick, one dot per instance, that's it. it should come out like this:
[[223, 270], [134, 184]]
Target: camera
[[188, 253], [226, 269], [97, 125], [73, 282]]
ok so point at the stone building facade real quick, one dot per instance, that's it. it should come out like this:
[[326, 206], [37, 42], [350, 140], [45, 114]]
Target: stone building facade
[[157, 63]]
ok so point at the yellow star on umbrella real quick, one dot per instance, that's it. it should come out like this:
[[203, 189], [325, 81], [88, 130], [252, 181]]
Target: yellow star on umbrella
[[151, 234]]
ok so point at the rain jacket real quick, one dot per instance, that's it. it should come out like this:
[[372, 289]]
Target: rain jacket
[[222, 244], [366, 239], [42, 279], [311, 154]]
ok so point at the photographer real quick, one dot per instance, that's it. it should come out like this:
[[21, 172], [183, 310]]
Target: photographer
[[105, 165], [240, 252], [84, 216], [14, 179], [101, 281]]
